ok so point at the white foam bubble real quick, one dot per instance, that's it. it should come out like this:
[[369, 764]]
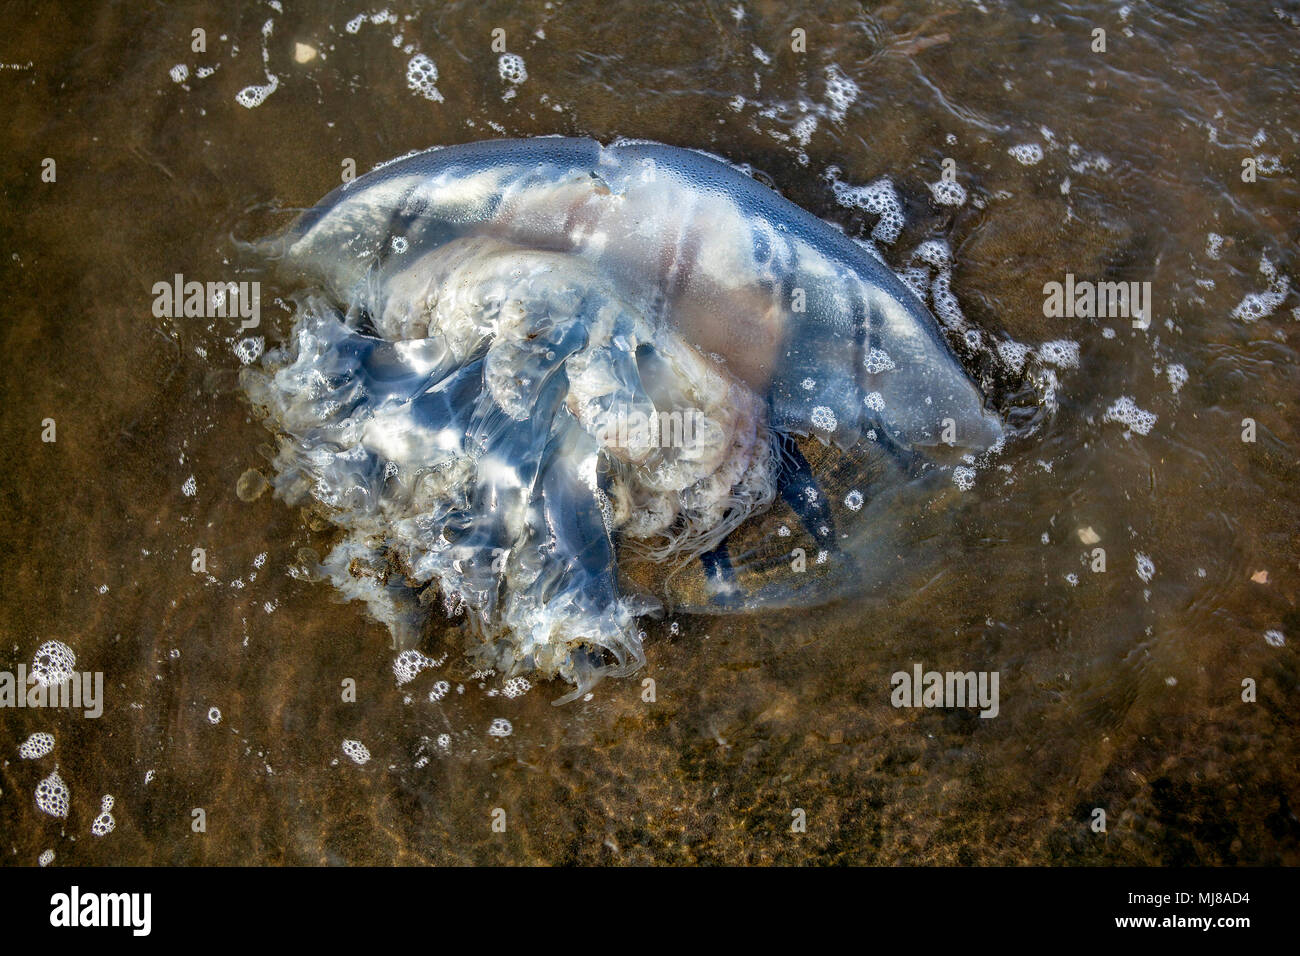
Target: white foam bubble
[[1013, 354], [841, 91], [36, 746], [249, 350], [853, 500], [408, 664], [877, 197], [104, 824], [251, 97], [1275, 638], [878, 361], [1126, 412], [516, 687], [511, 68], [948, 192], [822, 417], [1062, 353], [356, 751], [421, 75], [1146, 568], [963, 477], [179, 73], [1177, 375], [53, 663], [1258, 305], [52, 795], [1027, 154], [500, 727]]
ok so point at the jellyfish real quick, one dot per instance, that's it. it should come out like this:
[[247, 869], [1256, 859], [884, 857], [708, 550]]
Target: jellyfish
[[560, 386]]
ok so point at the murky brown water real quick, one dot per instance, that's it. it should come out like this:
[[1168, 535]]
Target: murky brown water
[[1116, 692]]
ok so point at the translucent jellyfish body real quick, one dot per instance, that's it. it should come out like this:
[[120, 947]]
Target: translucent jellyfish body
[[560, 385]]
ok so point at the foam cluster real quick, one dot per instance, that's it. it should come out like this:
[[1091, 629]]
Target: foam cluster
[[52, 796], [53, 663], [36, 746]]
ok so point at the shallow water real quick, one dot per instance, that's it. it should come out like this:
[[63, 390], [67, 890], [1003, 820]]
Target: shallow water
[[1120, 690]]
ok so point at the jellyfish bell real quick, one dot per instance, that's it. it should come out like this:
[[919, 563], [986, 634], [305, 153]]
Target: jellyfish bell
[[565, 384]]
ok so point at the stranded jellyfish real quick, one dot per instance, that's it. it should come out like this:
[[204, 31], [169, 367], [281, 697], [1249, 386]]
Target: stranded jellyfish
[[556, 386]]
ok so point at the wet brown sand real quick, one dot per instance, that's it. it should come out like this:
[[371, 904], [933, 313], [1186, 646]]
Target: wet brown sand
[[1116, 693]]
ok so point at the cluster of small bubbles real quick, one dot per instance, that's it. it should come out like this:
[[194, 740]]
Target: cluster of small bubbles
[[249, 350], [1072, 579], [444, 741], [1258, 305], [516, 687], [803, 130], [1177, 375], [917, 278], [841, 91], [1275, 638], [934, 252], [179, 73], [46, 858], [878, 361], [421, 74], [808, 384], [400, 244], [254, 96], [1027, 154], [439, 691], [500, 727], [1062, 353], [963, 477], [356, 751], [973, 338], [853, 500], [52, 795], [1013, 354], [1268, 164], [1146, 568], [675, 629], [948, 192], [512, 69], [783, 531], [1126, 412], [1214, 245], [36, 746], [191, 487], [408, 664], [875, 401], [878, 197], [823, 418], [53, 663], [104, 824], [214, 715], [945, 304]]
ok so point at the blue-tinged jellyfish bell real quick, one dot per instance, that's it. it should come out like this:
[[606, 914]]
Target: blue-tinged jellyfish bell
[[557, 386]]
